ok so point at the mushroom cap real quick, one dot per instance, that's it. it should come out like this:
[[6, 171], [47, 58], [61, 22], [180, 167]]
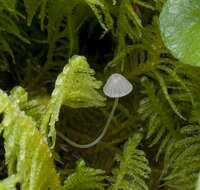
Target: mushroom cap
[[117, 86]]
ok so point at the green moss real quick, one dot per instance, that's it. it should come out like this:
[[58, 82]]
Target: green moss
[[55, 55]]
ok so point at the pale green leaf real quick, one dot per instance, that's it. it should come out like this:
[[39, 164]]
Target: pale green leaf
[[27, 153], [76, 87], [9, 183]]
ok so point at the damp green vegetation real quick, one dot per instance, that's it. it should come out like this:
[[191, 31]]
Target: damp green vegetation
[[55, 57]]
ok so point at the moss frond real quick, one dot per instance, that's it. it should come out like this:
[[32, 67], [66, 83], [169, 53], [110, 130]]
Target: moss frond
[[133, 167]]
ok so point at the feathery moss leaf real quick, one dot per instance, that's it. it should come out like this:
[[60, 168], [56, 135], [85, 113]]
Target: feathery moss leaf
[[75, 87], [27, 152], [133, 167], [85, 178], [9, 183], [183, 163]]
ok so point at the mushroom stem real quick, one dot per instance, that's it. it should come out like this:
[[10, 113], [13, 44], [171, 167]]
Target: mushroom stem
[[98, 139]]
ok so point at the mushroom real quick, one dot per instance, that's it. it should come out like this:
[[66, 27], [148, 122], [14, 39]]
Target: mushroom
[[116, 87]]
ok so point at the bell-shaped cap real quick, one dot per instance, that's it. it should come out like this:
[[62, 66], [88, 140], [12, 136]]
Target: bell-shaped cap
[[117, 86]]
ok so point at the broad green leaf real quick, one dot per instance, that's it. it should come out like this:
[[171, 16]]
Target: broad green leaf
[[180, 28]]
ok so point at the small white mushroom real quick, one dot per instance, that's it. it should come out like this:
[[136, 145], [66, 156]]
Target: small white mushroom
[[117, 86]]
